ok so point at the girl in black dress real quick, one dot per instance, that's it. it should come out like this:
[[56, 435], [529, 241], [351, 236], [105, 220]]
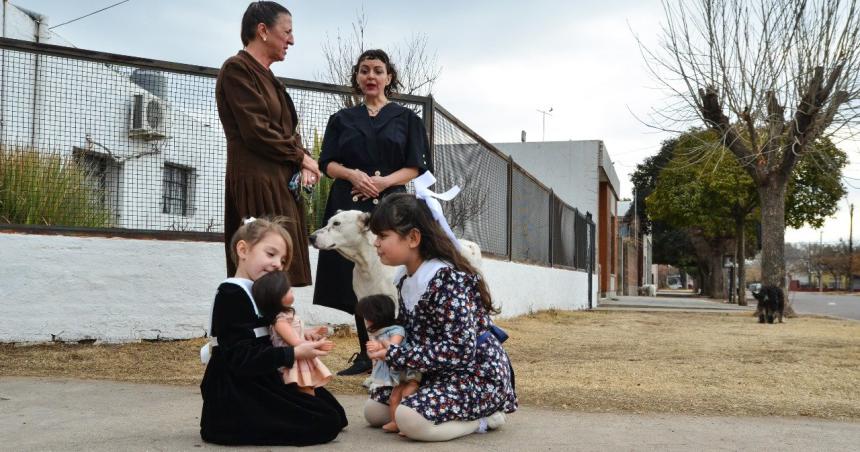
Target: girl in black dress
[[245, 400], [371, 150]]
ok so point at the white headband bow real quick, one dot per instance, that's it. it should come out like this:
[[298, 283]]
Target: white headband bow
[[422, 191], [249, 220]]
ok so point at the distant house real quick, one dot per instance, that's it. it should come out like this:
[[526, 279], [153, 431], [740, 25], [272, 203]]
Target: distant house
[[636, 251], [581, 174]]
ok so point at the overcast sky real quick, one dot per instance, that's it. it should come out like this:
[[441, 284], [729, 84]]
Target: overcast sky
[[501, 61]]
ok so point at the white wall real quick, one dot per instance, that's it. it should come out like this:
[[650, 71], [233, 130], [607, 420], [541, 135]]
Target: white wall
[[71, 288]]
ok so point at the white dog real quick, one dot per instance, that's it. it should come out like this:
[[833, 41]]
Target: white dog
[[347, 232], [649, 290]]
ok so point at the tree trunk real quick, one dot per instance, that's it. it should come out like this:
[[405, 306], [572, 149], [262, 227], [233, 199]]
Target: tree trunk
[[772, 199], [741, 260], [718, 282], [709, 254]]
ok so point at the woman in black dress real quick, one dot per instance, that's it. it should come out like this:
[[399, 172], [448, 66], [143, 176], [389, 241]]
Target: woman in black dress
[[371, 150]]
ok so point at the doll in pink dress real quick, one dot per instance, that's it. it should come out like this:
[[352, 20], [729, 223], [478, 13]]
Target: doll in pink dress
[[274, 298]]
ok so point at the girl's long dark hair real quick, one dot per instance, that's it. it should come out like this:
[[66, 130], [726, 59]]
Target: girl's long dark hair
[[404, 212], [268, 291]]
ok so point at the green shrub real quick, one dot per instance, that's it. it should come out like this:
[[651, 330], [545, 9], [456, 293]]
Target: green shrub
[[39, 188], [315, 201]]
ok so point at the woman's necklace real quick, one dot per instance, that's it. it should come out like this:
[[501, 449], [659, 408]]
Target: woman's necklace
[[375, 111]]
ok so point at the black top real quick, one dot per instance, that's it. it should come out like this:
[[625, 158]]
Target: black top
[[393, 139], [245, 400]]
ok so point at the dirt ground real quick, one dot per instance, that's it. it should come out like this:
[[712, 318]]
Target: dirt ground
[[600, 361]]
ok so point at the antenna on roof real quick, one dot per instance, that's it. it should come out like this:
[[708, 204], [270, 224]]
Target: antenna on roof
[[545, 114]]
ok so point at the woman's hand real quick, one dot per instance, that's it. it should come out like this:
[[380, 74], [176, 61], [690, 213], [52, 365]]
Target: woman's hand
[[309, 178], [380, 183], [308, 163], [311, 350], [362, 184]]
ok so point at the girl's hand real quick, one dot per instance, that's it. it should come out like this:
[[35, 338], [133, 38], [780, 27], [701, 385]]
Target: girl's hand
[[311, 350], [316, 333], [379, 354], [362, 184], [377, 350], [374, 346]]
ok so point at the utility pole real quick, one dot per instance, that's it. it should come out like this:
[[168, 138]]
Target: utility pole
[[545, 114], [851, 249], [820, 255]]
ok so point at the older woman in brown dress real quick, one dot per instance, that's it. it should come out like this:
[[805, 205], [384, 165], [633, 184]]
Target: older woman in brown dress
[[264, 150]]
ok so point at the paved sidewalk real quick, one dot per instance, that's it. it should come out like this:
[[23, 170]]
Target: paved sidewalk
[[78, 415], [667, 303]]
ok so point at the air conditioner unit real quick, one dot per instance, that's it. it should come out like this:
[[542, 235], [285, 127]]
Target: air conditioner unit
[[148, 118]]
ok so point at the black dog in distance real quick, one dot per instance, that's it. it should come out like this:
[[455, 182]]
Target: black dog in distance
[[771, 303]]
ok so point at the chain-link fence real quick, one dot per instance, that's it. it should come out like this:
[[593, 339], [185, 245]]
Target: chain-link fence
[[109, 144]]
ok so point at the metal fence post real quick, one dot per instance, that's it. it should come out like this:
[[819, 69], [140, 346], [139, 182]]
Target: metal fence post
[[430, 125], [551, 228], [590, 227], [510, 207]]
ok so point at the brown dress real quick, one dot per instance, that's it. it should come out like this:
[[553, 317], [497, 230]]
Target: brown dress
[[264, 150]]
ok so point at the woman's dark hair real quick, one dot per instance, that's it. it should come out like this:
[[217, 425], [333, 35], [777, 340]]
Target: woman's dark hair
[[376, 54], [378, 310], [268, 291], [403, 212], [260, 13]]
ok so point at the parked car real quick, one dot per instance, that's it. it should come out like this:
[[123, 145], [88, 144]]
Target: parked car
[[754, 287]]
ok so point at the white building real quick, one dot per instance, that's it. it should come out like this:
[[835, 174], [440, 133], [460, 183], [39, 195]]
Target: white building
[[122, 124]]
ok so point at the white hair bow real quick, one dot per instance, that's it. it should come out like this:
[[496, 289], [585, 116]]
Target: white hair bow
[[249, 220], [422, 191]]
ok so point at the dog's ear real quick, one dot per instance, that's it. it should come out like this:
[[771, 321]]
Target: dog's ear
[[364, 220], [338, 211]]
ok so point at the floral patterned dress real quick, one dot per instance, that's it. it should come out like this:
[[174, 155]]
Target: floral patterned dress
[[462, 380]]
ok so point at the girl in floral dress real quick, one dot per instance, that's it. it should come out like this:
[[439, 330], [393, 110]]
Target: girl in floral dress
[[445, 306]]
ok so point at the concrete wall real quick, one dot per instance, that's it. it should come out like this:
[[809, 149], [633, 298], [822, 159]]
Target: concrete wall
[[71, 288]]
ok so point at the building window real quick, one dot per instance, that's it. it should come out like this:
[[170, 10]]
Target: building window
[[177, 191], [102, 178]]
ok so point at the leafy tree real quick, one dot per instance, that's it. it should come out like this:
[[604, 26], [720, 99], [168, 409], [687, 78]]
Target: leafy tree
[[771, 78], [702, 190]]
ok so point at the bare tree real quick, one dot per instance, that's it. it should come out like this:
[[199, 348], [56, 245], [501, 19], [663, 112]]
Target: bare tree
[[417, 67], [469, 205], [340, 53], [771, 77]]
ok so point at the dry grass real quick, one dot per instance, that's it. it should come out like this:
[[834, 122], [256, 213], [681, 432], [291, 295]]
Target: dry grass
[[590, 361]]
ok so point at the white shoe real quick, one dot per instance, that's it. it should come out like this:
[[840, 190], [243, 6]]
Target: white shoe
[[496, 420]]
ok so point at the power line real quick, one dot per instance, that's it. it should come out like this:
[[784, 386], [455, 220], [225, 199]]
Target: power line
[[88, 15]]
